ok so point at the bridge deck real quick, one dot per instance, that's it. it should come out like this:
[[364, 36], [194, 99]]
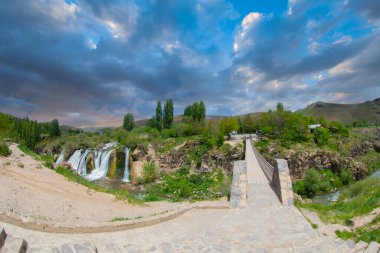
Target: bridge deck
[[255, 174]]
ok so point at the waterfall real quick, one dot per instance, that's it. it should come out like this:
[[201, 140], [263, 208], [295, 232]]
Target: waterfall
[[60, 158], [83, 163], [101, 165], [75, 159], [126, 170], [101, 161], [78, 161]]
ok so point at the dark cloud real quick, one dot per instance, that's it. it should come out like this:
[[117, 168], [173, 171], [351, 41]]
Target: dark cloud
[[91, 62]]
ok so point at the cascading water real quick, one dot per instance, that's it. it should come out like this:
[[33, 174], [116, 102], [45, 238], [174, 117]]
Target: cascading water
[[101, 165], [83, 163], [75, 159], [126, 170], [60, 158], [78, 161]]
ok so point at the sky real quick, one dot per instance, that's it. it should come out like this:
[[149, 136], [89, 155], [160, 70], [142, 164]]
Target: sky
[[89, 62]]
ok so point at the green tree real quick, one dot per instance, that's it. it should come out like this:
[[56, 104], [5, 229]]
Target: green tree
[[54, 128], [280, 107], [159, 121], [202, 110], [129, 122], [229, 124], [168, 113], [196, 111]]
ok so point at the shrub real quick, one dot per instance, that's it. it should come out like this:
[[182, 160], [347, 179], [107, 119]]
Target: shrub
[[312, 182], [182, 185], [325, 187], [299, 188], [149, 173], [184, 170], [321, 136], [331, 179], [346, 176], [4, 149]]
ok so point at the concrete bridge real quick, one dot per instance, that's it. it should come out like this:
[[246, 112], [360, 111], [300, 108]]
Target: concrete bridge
[[262, 219]]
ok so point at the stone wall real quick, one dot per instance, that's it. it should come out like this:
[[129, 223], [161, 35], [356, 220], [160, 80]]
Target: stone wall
[[239, 185], [281, 182]]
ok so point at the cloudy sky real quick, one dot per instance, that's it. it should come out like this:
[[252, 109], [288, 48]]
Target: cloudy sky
[[88, 62]]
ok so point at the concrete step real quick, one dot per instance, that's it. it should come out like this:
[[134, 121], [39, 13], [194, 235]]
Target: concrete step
[[14, 245], [3, 236], [67, 248], [360, 247], [373, 247]]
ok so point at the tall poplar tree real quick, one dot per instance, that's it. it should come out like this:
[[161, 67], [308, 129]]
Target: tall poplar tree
[[168, 113], [158, 118]]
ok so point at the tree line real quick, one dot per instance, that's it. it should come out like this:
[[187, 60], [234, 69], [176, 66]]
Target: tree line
[[26, 131]]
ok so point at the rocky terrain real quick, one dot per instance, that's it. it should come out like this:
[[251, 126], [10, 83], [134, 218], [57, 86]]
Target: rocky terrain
[[179, 156], [347, 155]]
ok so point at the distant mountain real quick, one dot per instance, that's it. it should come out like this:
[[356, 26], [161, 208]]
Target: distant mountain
[[345, 113]]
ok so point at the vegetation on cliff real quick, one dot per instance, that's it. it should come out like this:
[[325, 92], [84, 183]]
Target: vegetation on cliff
[[4, 149]]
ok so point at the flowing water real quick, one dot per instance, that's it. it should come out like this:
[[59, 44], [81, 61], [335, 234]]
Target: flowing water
[[126, 170], [102, 158], [78, 161], [60, 158]]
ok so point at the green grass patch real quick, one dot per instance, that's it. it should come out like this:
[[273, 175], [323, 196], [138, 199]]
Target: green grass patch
[[371, 160], [119, 194], [367, 233], [184, 185], [357, 199]]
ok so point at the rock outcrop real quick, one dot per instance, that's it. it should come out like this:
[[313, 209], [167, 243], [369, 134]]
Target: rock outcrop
[[300, 161], [179, 156]]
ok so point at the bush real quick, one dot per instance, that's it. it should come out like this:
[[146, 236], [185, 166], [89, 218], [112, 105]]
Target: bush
[[346, 176], [183, 185], [312, 182], [321, 136], [299, 188], [149, 173], [4, 149]]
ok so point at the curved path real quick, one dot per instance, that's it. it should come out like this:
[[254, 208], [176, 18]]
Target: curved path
[[263, 226]]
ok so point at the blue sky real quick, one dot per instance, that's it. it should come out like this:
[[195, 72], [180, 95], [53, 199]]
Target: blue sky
[[88, 63]]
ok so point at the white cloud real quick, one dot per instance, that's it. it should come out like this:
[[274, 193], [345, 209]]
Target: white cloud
[[341, 68], [241, 39], [343, 40]]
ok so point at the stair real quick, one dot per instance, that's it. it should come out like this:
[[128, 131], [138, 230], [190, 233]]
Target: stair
[[10, 244]]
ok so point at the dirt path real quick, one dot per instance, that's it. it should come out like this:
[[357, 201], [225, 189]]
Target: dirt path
[[37, 197]]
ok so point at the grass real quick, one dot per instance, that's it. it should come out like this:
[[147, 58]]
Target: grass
[[137, 217], [371, 160], [357, 199], [118, 193], [367, 233], [184, 185], [47, 160]]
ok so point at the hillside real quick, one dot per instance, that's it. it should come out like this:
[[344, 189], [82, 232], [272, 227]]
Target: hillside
[[345, 113]]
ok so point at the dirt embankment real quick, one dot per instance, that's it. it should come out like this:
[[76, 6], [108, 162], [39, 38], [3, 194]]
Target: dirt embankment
[[34, 194]]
